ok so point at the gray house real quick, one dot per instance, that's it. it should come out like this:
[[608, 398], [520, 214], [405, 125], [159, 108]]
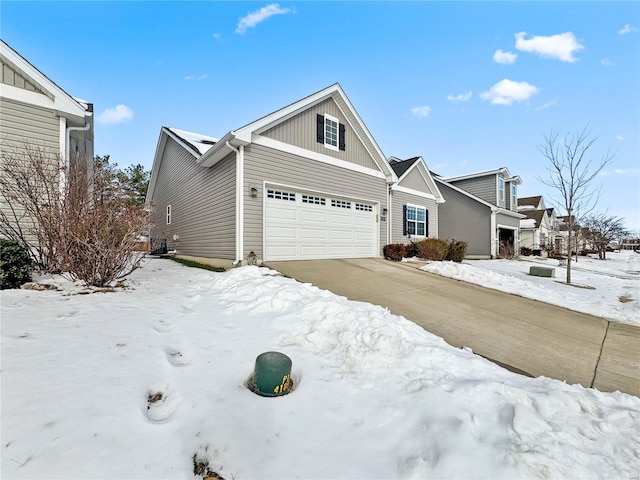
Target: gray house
[[415, 201], [307, 181], [481, 209], [35, 113]]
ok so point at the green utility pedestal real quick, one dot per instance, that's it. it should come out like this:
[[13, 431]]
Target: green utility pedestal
[[272, 375]]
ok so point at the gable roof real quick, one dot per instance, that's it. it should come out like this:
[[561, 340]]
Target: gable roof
[[530, 201], [516, 179], [243, 135], [537, 215], [195, 141], [48, 94], [402, 168]]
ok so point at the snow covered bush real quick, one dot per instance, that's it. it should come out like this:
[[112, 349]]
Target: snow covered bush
[[15, 264]]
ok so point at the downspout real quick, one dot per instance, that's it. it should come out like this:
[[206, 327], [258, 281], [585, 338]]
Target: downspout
[[239, 202], [66, 154], [494, 236], [389, 219]]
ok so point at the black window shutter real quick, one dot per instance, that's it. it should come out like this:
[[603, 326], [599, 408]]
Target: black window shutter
[[426, 222], [320, 128], [404, 220], [341, 141]]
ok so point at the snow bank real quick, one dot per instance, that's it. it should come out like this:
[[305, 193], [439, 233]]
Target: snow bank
[[375, 395]]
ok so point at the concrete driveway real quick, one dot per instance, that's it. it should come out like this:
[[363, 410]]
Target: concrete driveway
[[523, 335]]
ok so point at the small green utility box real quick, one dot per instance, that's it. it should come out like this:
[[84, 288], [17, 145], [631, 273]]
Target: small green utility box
[[542, 271], [271, 375]]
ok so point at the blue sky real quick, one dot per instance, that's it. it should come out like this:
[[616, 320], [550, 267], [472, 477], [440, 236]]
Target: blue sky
[[470, 86]]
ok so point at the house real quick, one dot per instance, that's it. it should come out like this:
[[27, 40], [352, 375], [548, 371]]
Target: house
[[307, 181], [36, 111], [36, 115], [481, 209], [415, 200], [540, 230]]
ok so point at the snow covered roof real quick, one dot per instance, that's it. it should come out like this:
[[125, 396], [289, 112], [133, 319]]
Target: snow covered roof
[[199, 142], [528, 223]]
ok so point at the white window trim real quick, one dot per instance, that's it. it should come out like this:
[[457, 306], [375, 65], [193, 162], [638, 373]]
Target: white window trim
[[501, 194], [168, 215], [337, 122], [426, 231], [514, 196]]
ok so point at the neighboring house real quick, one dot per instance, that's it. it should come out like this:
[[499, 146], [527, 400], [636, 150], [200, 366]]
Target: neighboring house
[[35, 111], [415, 201], [541, 229], [307, 181], [630, 244], [481, 209]]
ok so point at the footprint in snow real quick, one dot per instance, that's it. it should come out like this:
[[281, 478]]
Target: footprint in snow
[[161, 405], [179, 356], [163, 326]]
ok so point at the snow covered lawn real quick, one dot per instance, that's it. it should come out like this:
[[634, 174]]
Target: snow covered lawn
[[613, 285], [376, 396]]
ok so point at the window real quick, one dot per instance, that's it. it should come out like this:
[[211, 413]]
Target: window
[[280, 195], [363, 207], [340, 203], [168, 214], [415, 221], [313, 200], [501, 190], [330, 132], [514, 196]]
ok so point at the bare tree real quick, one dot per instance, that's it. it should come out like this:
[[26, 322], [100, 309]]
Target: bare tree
[[571, 173], [602, 229], [84, 225]]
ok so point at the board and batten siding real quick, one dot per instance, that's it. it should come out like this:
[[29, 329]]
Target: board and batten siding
[[485, 187], [300, 130], [202, 204], [398, 201], [462, 218], [22, 123], [264, 164]]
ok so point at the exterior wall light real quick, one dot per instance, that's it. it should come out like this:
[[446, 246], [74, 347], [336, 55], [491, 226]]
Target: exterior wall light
[[254, 192]]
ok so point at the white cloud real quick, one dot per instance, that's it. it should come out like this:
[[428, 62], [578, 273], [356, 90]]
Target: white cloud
[[552, 103], [506, 91], [421, 112], [628, 172], [254, 18], [627, 29], [463, 97], [606, 62], [217, 36], [504, 57], [118, 114], [619, 137], [195, 77], [561, 46]]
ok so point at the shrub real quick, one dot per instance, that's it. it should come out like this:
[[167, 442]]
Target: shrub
[[410, 250], [525, 251], [394, 251], [457, 251], [15, 264], [432, 249]]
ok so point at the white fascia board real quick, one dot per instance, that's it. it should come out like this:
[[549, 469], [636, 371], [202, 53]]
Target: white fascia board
[[319, 157], [477, 175], [162, 140], [220, 150], [63, 102], [189, 148], [510, 213], [411, 191]]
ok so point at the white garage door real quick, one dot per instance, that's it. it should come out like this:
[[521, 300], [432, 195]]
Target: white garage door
[[306, 226]]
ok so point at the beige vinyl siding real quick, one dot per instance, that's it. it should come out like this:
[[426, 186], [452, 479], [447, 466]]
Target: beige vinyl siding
[[507, 220], [202, 204], [9, 76], [415, 180], [462, 218], [398, 200], [485, 187], [300, 130], [281, 168], [20, 122]]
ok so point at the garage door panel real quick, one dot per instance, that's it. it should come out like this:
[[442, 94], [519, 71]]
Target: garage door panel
[[311, 233], [308, 229]]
